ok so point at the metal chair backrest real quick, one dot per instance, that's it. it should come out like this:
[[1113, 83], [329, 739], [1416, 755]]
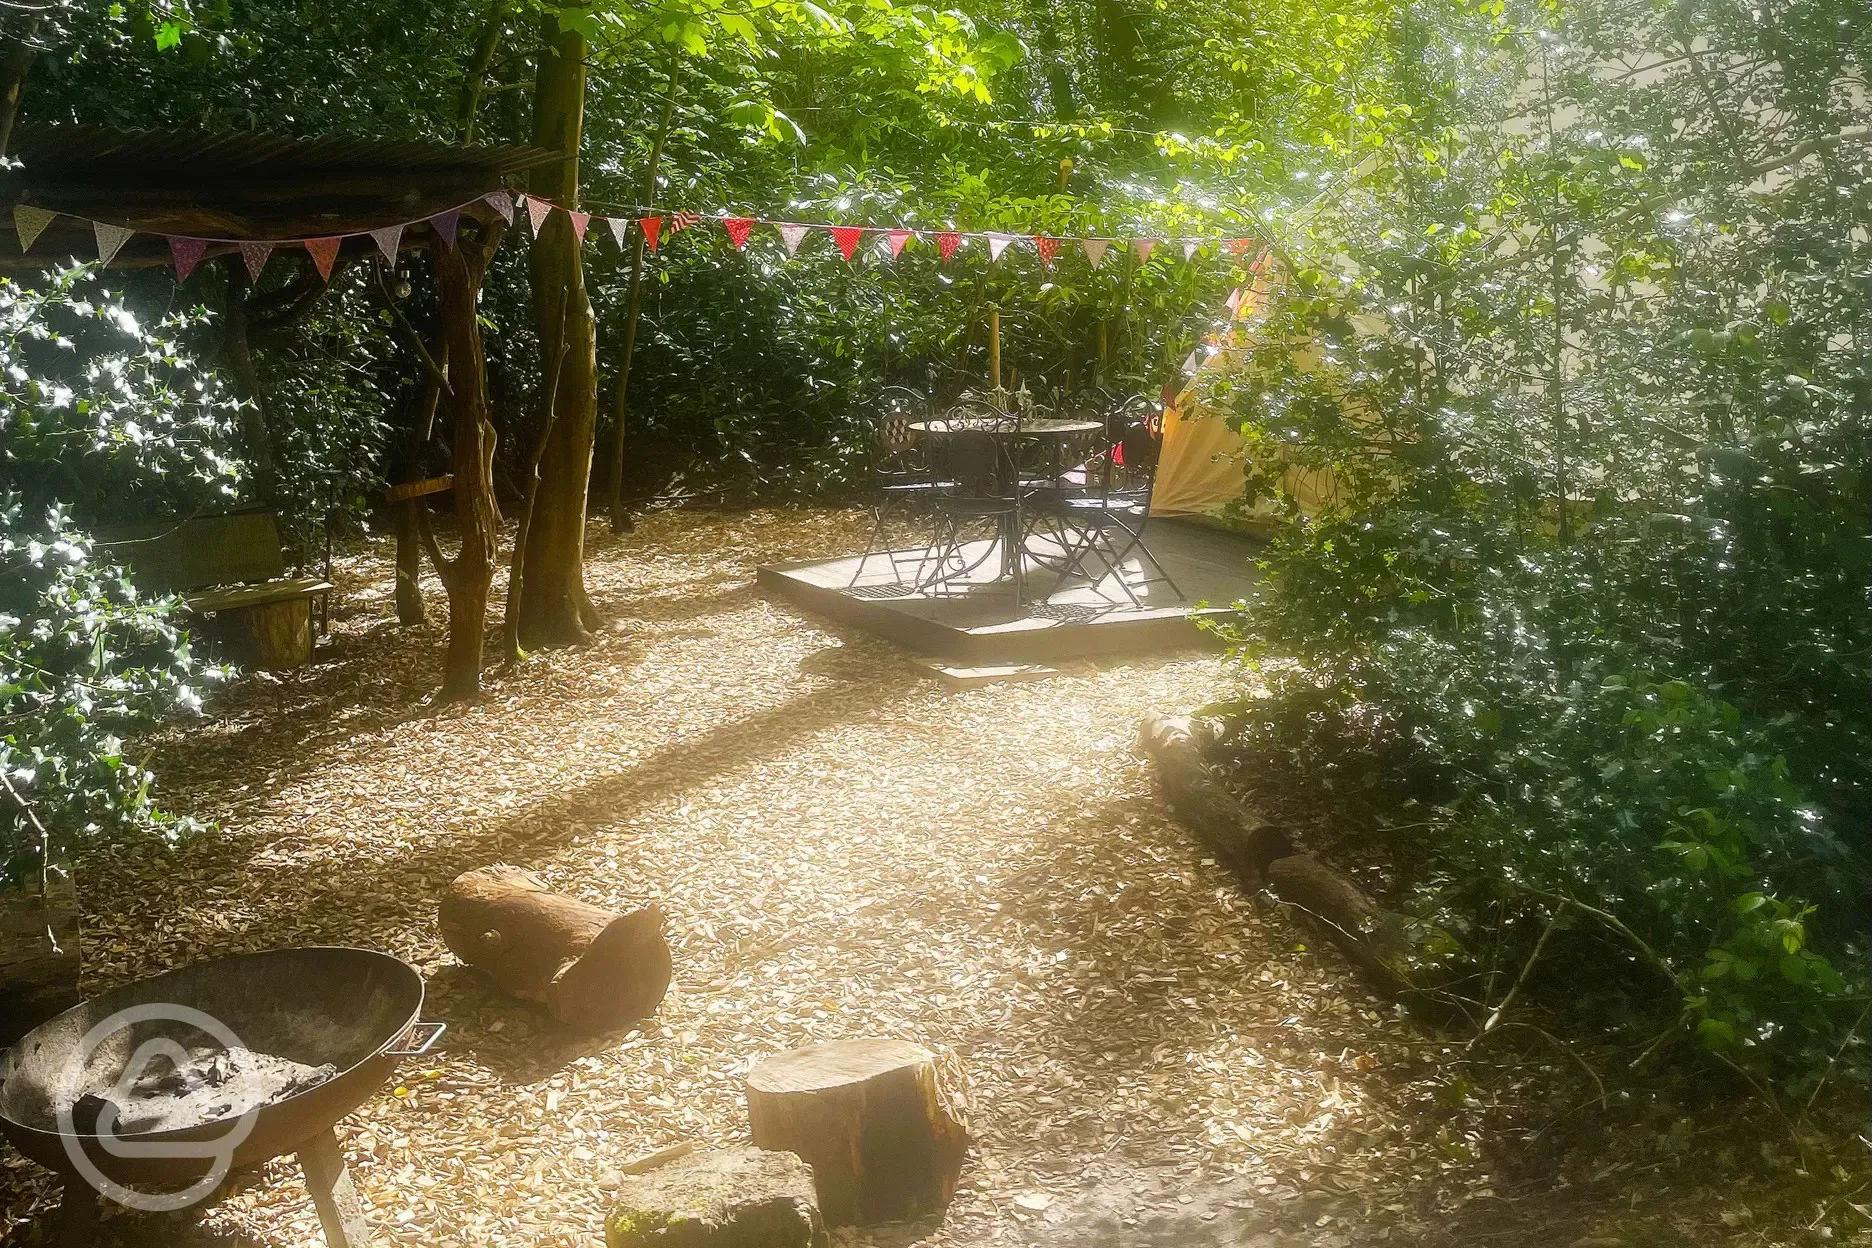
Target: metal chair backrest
[[972, 459], [1139, 430], [897, 407]]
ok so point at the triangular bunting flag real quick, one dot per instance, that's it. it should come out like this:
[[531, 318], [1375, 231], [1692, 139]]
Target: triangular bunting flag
[[1143, 247], [1047, 247], [254, 255], [444, 223], [581, 221], [792, 235], [110, 240], [652, 228], [1095, 249], [997, 243], [537, 210], [388, 240], [1190, 247], [1239, 246], [30, 222], [682, 220], [946, 244], [1235, 301], [738, 229], [501, 202], [187, 253], [896, 239], [325, 250], [619, 226], [847, 237]]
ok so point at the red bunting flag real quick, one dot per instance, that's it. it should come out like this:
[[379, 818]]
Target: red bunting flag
[[324, 251], [652, 228], [254, 255], [946, 244], [1239, 246], [187, 253], [1047, 247], [537, 210], [444, 223], [682, 220], [847, 237], [580, 220], [738, 229], [897, 239]]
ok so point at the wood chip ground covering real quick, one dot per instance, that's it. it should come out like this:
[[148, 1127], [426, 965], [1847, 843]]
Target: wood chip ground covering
[[843, 847]]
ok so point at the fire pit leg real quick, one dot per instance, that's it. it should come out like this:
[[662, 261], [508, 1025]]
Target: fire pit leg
[[78, 1215], [330, 1184]]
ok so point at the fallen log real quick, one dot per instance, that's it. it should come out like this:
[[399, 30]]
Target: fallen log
[[1372, 939], [871, 1119], [593, 969], [1199, 799], [1377, 942]]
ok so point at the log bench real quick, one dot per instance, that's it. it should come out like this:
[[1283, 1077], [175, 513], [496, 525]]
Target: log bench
[[231, 568]]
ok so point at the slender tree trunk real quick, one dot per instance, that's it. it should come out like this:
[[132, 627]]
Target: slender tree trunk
[[410, 512], [458, 271], [556, 609], [620, 514], [409, 599], [474, 82], [237, 353], [516, 571], [15, 63]]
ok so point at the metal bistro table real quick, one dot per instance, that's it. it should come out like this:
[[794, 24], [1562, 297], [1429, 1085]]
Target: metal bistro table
[[1055, 433]]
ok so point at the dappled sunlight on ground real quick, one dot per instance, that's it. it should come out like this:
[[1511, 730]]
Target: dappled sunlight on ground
[[842, 848]]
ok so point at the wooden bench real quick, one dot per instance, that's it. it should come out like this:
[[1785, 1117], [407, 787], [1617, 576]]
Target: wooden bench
[[233, 568]]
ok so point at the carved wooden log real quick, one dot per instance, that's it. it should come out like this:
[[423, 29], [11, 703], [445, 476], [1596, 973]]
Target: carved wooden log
[[592, 968], [1198, 798], [871, 1118]]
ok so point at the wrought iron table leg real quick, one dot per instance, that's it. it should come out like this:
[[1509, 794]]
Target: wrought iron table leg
[[330, 1184], [78, 1215]]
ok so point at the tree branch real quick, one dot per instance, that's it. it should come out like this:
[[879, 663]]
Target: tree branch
[[413, 340]]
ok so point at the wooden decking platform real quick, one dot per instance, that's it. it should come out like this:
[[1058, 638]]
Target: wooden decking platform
[[977, 623]]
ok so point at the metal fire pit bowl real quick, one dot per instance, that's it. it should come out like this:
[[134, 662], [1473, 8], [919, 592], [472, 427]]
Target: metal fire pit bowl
[[352, 1010]]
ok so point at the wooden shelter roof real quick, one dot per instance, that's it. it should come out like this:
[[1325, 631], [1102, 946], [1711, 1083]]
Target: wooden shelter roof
[[236, 185]]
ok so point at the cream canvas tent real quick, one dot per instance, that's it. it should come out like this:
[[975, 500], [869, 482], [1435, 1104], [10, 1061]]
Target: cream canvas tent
[[1200, 468]]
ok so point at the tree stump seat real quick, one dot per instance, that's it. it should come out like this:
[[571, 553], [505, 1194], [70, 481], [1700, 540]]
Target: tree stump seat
[[871, 1119]]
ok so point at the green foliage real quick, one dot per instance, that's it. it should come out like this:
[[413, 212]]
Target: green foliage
[[100, 418], [1588, 611]]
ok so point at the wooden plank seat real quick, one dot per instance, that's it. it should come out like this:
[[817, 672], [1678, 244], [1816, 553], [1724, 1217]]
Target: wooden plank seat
[[232, 568]]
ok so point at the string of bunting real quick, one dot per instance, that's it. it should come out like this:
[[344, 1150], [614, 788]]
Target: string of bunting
[[655, 225], [186, 251]]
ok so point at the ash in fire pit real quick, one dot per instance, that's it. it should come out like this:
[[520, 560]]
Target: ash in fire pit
[[180, 1088]]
